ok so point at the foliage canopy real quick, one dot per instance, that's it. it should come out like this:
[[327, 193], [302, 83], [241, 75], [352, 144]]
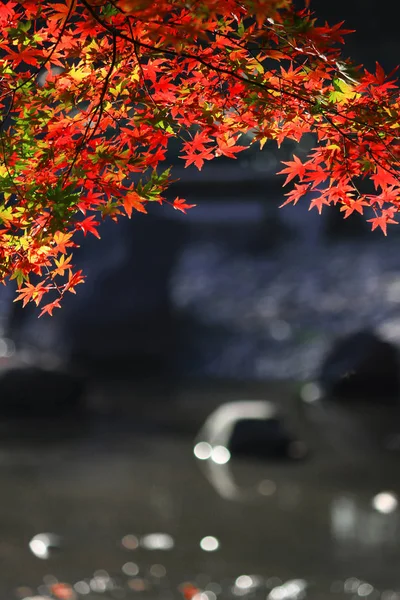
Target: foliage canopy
[[92, 91]]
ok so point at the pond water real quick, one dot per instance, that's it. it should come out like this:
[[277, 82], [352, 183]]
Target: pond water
[[121, 508]]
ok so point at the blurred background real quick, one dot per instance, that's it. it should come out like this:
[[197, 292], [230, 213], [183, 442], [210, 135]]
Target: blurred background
[[215, 413]]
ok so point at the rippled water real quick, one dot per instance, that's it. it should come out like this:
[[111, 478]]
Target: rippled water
[[112, 512]]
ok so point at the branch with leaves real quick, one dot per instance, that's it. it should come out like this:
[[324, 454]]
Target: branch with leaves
[[93, 91]]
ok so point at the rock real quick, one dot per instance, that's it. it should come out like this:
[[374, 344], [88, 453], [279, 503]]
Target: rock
[[267, 438], [253, 428], [30, 391], [356, 410], [362, 366]]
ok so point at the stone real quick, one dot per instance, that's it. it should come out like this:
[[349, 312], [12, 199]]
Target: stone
[[31, 391], [266, 439], [361, 365], [250, 428], [355, 413]]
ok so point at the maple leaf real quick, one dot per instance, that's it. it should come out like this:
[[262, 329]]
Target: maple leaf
[[181, 205], [6, 11], [316, 176], [382, 221], [27, 55], [379, 74], [195, 151], [352, 206], [25, 294], [32, 292], [197, 158], [63, 241], [73, 280], [384, 177], [295, 168], [62, 265], [226, 147], [390, 194], [89, 225], [31, 8], [131, 201], [60, 11], [300, 189], [318, 203], [48, 308]]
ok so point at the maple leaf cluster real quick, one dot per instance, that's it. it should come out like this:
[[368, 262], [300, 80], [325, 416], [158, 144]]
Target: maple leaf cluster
[[92, 92]]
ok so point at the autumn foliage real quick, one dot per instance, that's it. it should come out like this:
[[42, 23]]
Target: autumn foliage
[[92, 92]]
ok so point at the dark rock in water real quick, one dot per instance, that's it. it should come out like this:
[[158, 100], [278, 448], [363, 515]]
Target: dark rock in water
[[267, 438], [362, 366], [358, 409], [28, 392], [251, 428]]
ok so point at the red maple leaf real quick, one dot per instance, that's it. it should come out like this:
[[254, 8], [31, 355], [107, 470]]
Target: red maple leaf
[[300, 189], [352, 206], [180, 204], [295, 168], [382, 221], [74, 279], [226, 147], [318, 203], [195, 151], [197, 158], [89, 225], [384, 177]]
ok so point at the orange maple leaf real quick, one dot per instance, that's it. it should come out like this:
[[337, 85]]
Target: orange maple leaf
[[131, 201], [48, 308]]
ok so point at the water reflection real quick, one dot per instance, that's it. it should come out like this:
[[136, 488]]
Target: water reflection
[[356, 524], [130, 569], [43, 544], [385, 502], [244, 584], [157, 541], [212, 450], [130, 542], [101, 582], [262, 529], [157, 571], [61, 591], [294, 589], [81, 587], [248, 427], [209, 543]]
